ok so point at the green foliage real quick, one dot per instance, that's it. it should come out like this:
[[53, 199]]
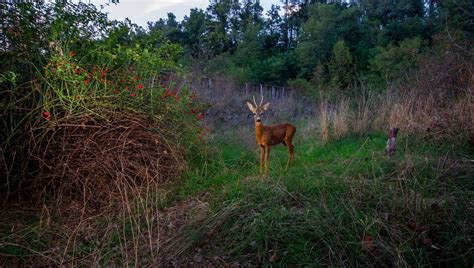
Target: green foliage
[[304, 86], [194, 28], [271, 70], [456, 15], [254, 48], [341, 66], [326, 24], [399, 19], [27, 38], [251, 49], [392, 62], [304, 37], [92, 72]]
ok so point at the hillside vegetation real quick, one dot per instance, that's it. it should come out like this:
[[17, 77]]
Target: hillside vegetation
[[106, 161]]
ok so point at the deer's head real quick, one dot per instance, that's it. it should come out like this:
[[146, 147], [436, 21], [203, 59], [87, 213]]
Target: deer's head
[[258, 110]]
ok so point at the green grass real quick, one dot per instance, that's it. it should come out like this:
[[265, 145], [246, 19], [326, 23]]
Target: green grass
[[334, 194]]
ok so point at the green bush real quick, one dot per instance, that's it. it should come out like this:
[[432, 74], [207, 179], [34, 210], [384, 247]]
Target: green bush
[[392, 62], [341, 66], [85, 74]]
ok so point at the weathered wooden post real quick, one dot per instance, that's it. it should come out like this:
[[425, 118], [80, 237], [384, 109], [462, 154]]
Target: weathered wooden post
[[391, 141]]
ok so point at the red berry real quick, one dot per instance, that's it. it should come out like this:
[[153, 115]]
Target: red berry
[[46, 115]]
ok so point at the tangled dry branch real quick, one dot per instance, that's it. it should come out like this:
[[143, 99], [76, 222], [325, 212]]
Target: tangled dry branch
[[94, 160]]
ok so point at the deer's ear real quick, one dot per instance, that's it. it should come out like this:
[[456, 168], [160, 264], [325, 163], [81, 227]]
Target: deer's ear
[[265, 106], [251, 108]]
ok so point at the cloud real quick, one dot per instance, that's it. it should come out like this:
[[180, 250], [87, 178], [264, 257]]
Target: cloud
[[142, 11], [171, 4]]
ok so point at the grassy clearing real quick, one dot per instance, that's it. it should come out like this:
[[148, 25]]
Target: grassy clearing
[[342, 203]]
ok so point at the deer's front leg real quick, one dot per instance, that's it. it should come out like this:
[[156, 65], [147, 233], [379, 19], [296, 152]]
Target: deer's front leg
[[261, 158], [267, 152]]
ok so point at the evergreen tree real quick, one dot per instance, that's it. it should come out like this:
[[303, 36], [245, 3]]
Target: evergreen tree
[[194, 28], [341, 66]]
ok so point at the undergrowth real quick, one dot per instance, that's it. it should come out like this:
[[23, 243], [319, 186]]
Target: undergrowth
[[341, 204]]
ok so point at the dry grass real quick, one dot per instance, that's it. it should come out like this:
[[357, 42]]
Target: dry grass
[[340, 119], [324, 121], [365, 113], [225, 101], [435, 101], [431, 116], [96, 185], [438, 101], [93, 161], [414, 113]]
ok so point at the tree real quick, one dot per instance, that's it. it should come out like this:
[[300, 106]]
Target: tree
[[291, 23], [194, 28], [392, 61], [341, 67], [170, 27], [251, 47], [221, 22], [250, 14], [326, 24], [396, 19], [272, 28]]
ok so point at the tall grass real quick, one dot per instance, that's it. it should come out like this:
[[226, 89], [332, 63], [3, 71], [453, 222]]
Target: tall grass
[[340, 119], [425, 115], [342, 204], [324, 121], [435, 101]]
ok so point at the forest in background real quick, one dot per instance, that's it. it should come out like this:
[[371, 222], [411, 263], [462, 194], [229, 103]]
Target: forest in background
[[317, 44]]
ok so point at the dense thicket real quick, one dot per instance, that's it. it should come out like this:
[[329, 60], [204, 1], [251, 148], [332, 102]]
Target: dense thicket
[[329, 43], [66, 68]]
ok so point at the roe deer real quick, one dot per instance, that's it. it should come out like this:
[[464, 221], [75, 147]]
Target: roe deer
[[267, 136], [391, 141]]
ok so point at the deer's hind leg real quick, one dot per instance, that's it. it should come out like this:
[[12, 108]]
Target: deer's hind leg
[[261, 158], [291, 155], [291, 152]]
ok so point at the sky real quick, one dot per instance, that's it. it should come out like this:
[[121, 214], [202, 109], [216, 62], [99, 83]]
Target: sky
[[142, 11]]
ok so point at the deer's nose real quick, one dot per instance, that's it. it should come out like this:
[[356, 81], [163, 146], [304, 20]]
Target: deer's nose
[[259, 120]]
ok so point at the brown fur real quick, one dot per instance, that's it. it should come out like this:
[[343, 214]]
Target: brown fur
[[267, 136]]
